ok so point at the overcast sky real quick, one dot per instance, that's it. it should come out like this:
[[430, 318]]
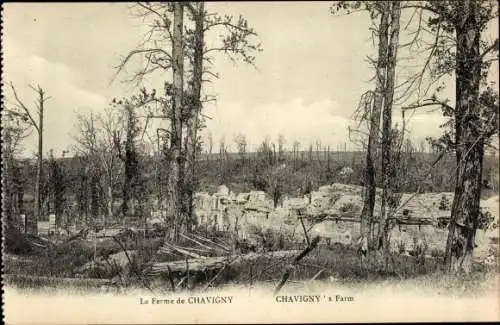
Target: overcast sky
[[306, 84]]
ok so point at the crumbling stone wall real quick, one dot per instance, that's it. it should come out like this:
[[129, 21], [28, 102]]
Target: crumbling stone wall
[[247, 211]]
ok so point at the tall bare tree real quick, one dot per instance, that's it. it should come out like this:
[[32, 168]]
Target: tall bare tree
[[461, 48], [175, 181], [197, 11], [233, 41], [36, 122], [371, 107], [96, 139], [223, 148], [210, 140], [88, 148], [476, 120], [108, 154], [387, 138], [295, 150], [475, 117], [374, 128], [281, 146], [241, 145]]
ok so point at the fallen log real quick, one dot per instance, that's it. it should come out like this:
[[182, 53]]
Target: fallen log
[[214, 263]]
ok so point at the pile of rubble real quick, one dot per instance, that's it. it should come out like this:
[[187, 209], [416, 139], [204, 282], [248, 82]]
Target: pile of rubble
[[245, 212], [223, 209]]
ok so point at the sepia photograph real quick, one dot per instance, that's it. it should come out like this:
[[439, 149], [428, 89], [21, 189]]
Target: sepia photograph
[[250, 162]]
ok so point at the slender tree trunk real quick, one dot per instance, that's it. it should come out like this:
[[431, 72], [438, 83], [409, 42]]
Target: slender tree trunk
[[38, 201], [370, 171], [130, 161], [388, 193], [110, 201], [126, 193], [193, 121], [274, 159], [89, 195], [176, 164], [7, 178], [469, 142], [109, 192]]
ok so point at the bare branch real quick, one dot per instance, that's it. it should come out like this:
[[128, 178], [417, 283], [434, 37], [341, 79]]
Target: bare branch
[[150, 9], [191, 8], [133, 53], [429, 102], [416, 33], [493, 46], [23, 106], [215, 75], [433, 49], [411, 17], [228, 24], [418, 5]]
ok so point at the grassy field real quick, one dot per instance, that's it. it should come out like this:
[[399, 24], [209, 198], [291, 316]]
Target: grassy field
[[337, 264], [56, 268]]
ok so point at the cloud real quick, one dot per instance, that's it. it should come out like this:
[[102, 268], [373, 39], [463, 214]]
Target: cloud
[[65, 98], [305, 86]]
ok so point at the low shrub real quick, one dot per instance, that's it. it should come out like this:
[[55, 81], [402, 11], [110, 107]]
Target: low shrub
[[16, 242]]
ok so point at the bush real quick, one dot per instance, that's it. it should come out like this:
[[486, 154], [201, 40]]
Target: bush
[[64, 260], [67, 257], [15, 242]]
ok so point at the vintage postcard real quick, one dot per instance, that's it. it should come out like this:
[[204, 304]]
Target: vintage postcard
[[250, 162]]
